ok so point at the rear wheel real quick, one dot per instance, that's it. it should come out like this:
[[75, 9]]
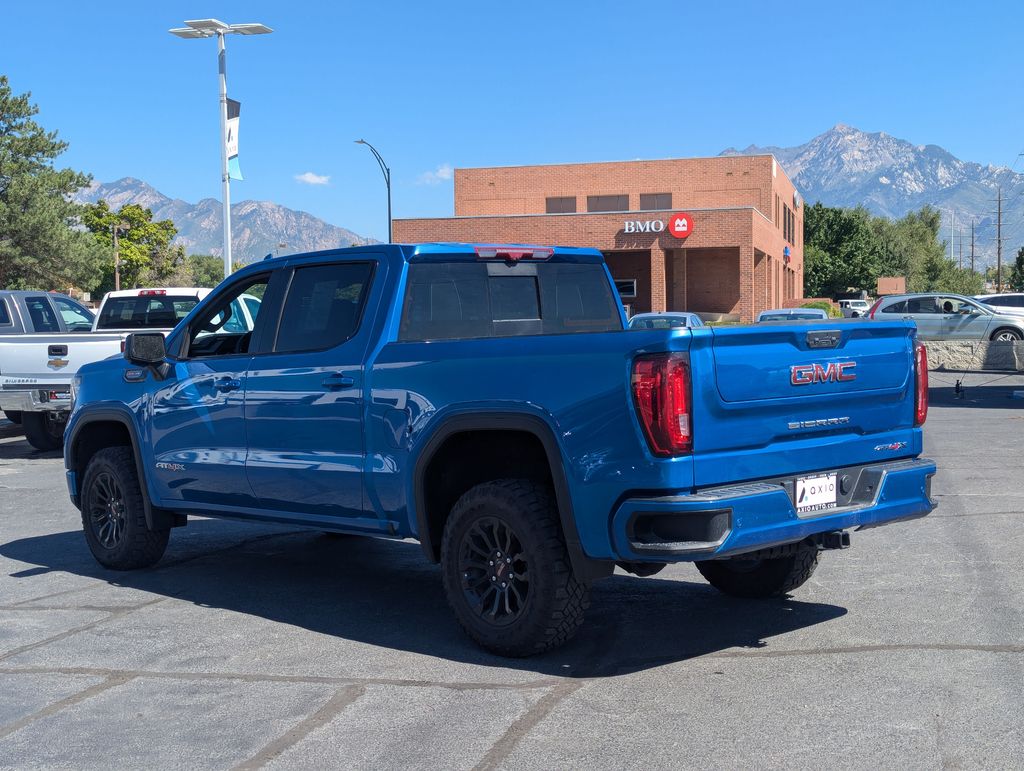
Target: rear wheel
[[13, 415], [761, 577], [1007, 334], [507, 574], [44, 430], [113, 514]]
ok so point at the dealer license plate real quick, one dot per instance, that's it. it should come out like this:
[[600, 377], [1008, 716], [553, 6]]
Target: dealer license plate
[[817, 493]]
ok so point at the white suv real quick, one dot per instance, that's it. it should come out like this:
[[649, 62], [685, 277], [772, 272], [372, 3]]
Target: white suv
[[853, 309]]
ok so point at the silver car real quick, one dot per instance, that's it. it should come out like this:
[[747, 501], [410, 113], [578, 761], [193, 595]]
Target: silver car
[[671, 320], [950, 317], [1007, 302], [792, 314]]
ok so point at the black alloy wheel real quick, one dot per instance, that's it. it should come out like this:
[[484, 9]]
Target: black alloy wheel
[[106, 506], [495, 574]]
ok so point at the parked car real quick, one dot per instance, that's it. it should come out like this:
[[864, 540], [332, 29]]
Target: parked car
[[669, 320], [792, 314], [853, 309], [25, 312], [484, 400], [950, 317], [36, 371], [1007, 302]]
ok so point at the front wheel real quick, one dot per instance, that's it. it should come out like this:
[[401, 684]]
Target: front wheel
[[113, 515], [44, 430], [506, 570], [1007, 335], [761, 577]]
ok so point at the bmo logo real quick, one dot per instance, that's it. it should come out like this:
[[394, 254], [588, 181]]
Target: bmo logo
[[680, 225], [643, 226]]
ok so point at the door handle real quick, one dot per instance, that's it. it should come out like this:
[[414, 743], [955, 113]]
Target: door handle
[[338, 380], [227, 384]]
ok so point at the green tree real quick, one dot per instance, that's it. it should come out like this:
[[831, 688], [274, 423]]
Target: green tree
[[147, 256], [204, 270], [1017, 272], [40, 247], [842, 250]]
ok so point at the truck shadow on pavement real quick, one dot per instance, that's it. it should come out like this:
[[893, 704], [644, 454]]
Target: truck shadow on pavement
[[385, 593]]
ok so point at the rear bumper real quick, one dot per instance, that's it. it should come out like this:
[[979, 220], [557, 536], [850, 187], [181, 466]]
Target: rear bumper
[[35, 399], [734, 519]]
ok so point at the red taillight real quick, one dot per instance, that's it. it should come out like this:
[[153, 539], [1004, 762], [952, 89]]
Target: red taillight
[[661, 394], [921, 384], [873, 308], [150, 292]]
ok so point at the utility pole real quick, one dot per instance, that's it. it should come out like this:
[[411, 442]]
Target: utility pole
[[972, 246], [952, 220], [115, 228], [961, 234], [999, 240]]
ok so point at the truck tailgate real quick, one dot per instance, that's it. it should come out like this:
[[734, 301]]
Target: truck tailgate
[[40, 361], [790, 398]]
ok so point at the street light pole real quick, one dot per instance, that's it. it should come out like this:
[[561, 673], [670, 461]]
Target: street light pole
[[203, 28], [387, 178]]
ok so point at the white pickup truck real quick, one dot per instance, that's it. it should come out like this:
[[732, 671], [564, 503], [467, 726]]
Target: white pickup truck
[[36, 370]]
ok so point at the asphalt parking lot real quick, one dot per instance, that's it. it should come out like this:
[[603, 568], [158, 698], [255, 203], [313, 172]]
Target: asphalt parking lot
[[260, 646]]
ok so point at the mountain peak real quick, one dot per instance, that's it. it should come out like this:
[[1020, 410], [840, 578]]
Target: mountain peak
[[258, 227], [845, 166]]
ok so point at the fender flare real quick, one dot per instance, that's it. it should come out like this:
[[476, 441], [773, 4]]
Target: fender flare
[[586, 568], [156, 518]]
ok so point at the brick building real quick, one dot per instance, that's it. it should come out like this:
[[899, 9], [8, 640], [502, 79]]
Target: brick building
[[718, 235]]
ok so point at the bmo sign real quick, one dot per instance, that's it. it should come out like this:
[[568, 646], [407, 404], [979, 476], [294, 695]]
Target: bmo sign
[[679, 225]]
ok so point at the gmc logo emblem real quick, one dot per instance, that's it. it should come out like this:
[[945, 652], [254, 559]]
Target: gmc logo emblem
[[806, 374]]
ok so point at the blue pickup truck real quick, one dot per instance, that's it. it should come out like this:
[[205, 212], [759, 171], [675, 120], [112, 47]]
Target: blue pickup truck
[[490, 402]]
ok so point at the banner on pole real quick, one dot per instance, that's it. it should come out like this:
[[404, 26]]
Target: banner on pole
[[234, 108]]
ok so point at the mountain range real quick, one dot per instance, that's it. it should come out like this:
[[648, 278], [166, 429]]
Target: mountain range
[[845, 166], [257, 227]]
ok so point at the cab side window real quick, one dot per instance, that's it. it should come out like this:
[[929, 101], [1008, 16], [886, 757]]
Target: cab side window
[[221, 329], [324, 306]]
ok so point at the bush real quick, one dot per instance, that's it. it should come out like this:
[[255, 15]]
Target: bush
[[823, 305]]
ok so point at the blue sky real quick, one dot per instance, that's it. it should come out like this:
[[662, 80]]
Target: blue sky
[[447, 84]]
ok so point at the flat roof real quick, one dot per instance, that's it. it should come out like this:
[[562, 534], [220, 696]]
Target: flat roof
[[634, 160]]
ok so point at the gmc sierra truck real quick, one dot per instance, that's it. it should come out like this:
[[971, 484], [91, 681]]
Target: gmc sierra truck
[[490, 402]]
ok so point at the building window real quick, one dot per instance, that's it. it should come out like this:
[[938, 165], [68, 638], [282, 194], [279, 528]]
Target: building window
[[607, 203], [626, 287], [655, 201], [563, 204]]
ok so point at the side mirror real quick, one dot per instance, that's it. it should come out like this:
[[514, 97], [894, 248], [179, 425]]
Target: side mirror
[[145, 348]]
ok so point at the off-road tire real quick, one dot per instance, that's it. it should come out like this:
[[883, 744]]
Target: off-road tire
[[42, 432], [14, 416], [553, 599], [1007, 333], [767, 576], [113, 468]]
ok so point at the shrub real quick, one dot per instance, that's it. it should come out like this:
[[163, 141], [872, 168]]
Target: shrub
[[824, 305]]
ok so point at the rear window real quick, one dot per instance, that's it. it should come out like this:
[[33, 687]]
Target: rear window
[[5, 315], [791, 317], [147, 312], [663, 322], [461, 300], [898, 307]]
